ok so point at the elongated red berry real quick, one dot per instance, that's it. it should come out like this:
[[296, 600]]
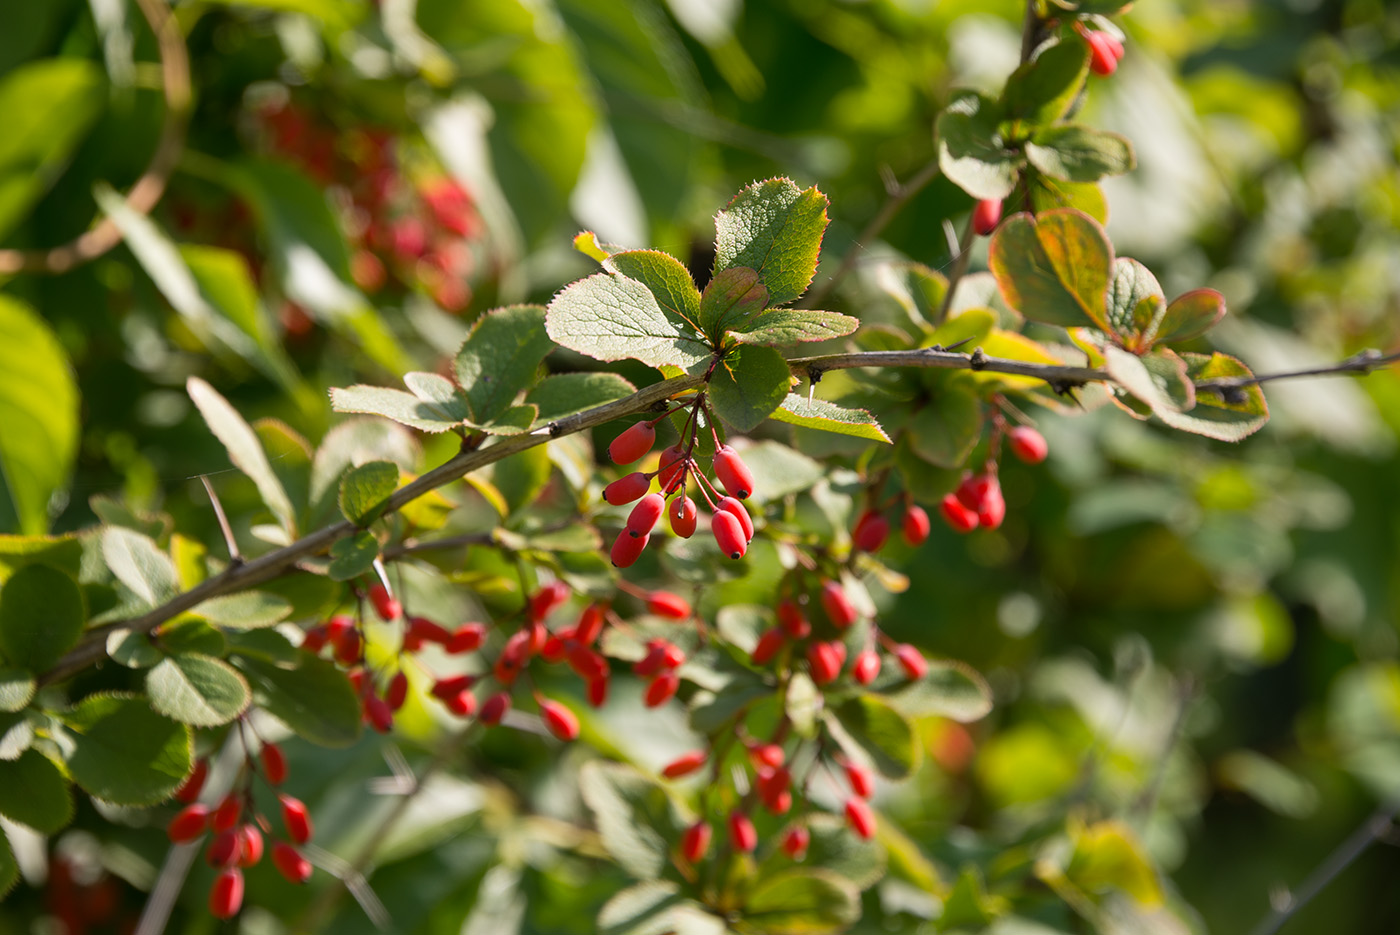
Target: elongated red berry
[[296, 819], [385, 605], [590, 624], [632, 443], [668, 605], [562, 722], [992, 510], [916, 525], [462, 704], [340, 624], [349, 647], [986, 215], [1115, 45], [685, 764], [495, 708], [315, 639], [446, 688], [742, 834], [378, 714], [274, 763], [871, 532], [866, 667], [627, 549], [586, 663], [768, 645], [289, 862], [861, 818], [642, 520], [1102, 61], [973, 489], [548, 597], [1027, 444], [683, 515], [793, 621], [188, 824], [672, 656], [226, 896], [424, 630], [767, 755], [730, 505], [598, 691], [227, 814], [862, 783], [825, 661], [194, 783], [958, 516], [626, 489], [250, 846], [729, 533], [733, 473], [223, 849], [770, 782], [672, 469], [696, 841], [911, 660], [837, 604], [662, 689], [466, 638], [796, 842], [654, 661]]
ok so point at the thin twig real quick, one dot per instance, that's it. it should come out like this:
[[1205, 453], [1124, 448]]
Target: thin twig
[[959, 270], [147, 192], [233, 553], [1363, 363]]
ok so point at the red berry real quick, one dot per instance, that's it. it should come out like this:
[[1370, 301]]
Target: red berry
[[684, 516], [793, 620], [349, 647], [867, 666], [633, 443], [972, 489], [543, 601], [860, 816], [779, 803], [733, 473], [598, 691], [424, 630], [654, 661], [862, 783], [767, 756], [729, 533], [227, 814], [560, 720], [730, 505], [223, 850], [588, 664], [916, 525], [590, 624], [662, 689], [626, 489], [992, 510], [642, 520], [742, 834], [871, 532], [911, 660], [796, 841], [462, 704], [1114, 45], [986, 215], [250, 846], [957, 516], [672, 469], [825, 661], [338, 626], [194, 783], [495, 708], [1102, 61], [356, 678], [685, 764], [768, 645], [672, 656], [378, 714], [188, 824], [274, 764], [668, 605], [446, 688], [315, 639], [772, 782], [837, 604], [296, 819], [385, 605], [466, 638], [290, 863], [226, 896], [696, 841], [627, 549], [1027, 444]]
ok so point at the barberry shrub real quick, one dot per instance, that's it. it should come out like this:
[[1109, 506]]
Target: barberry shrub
[[662, 531]]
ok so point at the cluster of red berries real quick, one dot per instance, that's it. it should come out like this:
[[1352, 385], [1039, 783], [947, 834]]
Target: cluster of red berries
[[1105, 50], [872, 528], [238, 829], [415, 233], [730, 522], [978, 501]]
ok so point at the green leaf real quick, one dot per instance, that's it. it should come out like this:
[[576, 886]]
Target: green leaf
[[244, 449], [968, 903], [337, 15], [1190, 315], [353, 556], [1152, 380], [1228, 416], [781, 326], [34, 792], [731, 299], [190, 635], [971, 152], [669, 282], [802, 902], [610, 317], [441, 395], [950, 689], [567, 393], [521, 477], [247, 610], [269, 645], [49, 106], [197, 690], [1042, 90], [748, 385], [315, 699], [16, 689], [882, 732], [132, 649], [1135, 303], [404, 408], [1072, 153], [514, 421], [634, 815], [949, 425], [1107, 855], [1054, 268], [1047, 194], [656, 908], [365, 490], [499, 359], [16, 734], [9, 867], [779, 470], [774, 228], [711, 711], [62, 552], [140, 564], [125, 753], [39, 400], [41, 617], [829, 417]]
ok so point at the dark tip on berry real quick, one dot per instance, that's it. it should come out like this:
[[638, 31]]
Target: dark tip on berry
[[735, 555], [743, 494], [634, 534]]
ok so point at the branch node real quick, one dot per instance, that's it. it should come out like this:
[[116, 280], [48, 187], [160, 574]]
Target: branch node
[[977, 360]]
